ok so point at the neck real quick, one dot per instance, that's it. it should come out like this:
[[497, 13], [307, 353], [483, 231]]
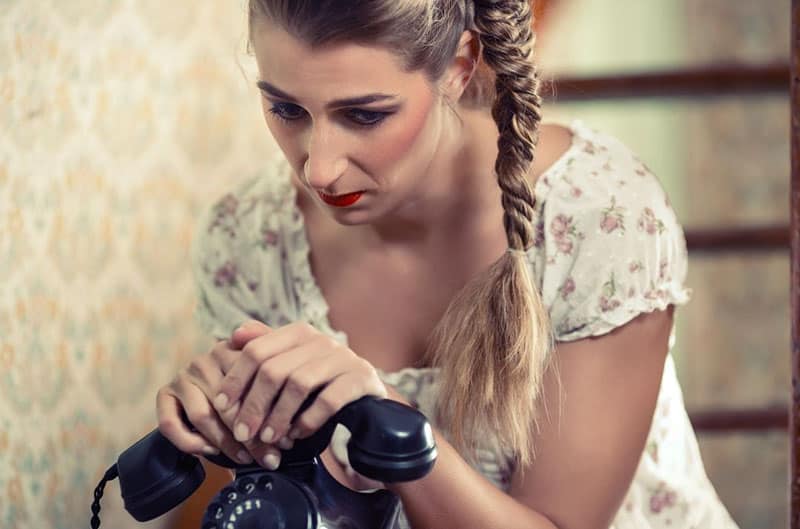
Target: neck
[[460, 199]]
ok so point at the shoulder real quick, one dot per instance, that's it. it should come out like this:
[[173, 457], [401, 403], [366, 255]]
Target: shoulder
[[250, 211], [609, 245]]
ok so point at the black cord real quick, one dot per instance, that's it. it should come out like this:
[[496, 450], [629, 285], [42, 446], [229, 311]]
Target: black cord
[[110, 474]]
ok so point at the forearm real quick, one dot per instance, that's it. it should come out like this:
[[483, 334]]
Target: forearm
[[455, 495]]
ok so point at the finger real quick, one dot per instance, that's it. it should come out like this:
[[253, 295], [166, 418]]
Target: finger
[[299, 385], [247, 331], [343, 390], [225, 356], [266, 455], [258, 350], [267, 383], [173, 427], [203, 418]]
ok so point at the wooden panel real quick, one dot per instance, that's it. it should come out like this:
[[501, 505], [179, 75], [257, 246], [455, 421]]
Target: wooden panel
[[722, 421], [192, 510], [731, 239], [794, 429], [710, 81]]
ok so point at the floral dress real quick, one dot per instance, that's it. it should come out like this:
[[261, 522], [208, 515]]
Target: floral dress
[[608, 248]]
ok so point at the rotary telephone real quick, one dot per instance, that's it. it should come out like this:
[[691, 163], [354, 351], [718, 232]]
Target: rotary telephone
[[389, 442]]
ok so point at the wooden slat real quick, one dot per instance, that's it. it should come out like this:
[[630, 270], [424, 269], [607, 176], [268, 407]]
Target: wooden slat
[[794, 428], [760, 238], [757, 419], [714, 80]]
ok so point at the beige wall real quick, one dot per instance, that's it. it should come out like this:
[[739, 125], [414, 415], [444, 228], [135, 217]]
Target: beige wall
[[119, 121]]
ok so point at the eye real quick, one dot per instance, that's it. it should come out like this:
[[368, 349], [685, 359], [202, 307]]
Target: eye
[[287, 111], [366, 118]]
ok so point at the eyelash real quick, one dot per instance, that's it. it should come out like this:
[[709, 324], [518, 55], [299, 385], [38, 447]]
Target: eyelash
[[374, 118]]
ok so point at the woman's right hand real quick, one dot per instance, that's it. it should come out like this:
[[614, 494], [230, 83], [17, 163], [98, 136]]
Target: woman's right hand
[[190, 395]]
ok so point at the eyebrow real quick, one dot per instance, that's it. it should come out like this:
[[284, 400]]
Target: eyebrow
[[347, 102]]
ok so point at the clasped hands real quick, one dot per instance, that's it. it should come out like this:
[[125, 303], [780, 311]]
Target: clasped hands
[[241, 396]]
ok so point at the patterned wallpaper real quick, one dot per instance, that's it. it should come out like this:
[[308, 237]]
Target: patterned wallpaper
[[121, 119]]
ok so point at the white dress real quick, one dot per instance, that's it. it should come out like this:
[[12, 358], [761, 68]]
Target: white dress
[[608, 248]]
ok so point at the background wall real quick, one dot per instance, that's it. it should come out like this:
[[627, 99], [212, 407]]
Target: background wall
[[120, 120], [724, 162]]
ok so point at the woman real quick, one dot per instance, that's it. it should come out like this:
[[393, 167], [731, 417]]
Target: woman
[[514, 281]]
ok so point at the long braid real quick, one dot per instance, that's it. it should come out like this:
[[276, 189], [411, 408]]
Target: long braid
[[494, 340], [507, 38]]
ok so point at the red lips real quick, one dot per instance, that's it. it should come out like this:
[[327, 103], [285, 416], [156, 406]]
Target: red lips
[[341, 201]]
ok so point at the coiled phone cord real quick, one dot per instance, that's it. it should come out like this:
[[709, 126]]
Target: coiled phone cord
[[110, 474]]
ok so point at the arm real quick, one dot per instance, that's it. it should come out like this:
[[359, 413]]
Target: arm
[[586, 452]]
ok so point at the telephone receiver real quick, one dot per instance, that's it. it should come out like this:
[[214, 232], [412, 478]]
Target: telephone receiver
[[390, 442]]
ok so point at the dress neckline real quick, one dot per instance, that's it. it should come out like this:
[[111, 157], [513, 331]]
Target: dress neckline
[[313, 304]]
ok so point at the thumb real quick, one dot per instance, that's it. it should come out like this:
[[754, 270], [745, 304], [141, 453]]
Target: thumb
[[247, 331]]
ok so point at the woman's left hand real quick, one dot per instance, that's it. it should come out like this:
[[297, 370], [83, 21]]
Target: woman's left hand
[[279, 368]]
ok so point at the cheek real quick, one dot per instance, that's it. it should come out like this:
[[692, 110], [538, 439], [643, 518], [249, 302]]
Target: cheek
[[406, 139]]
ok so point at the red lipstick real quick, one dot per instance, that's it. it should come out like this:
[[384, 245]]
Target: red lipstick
[[341, 201]]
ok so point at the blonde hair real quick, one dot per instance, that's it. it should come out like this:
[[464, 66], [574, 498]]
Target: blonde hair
[[493, 341]]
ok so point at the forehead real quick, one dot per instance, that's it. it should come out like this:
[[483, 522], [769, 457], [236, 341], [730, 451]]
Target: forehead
[[329, 70]]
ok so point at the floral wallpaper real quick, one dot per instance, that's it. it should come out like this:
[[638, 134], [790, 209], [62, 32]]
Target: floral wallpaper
[[120, 120]]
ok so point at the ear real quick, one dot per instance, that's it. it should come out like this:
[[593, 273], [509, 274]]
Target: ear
[[463, 66]]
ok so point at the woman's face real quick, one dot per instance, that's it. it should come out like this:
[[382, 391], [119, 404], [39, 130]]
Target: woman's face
[[349, 120]]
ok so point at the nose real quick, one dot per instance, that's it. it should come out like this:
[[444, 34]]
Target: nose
[[326, 160]]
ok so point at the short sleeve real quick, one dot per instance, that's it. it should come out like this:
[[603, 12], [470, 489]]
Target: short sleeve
[[238, 261], [610, 246]]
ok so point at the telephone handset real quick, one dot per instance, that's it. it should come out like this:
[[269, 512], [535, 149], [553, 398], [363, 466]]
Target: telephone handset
[[390, 442]]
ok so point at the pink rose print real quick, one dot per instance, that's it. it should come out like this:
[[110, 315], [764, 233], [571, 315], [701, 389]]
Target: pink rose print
[[227, 205], [607, 305], [225, 275], [649, 223], [635, 266], [607, 302], [564, 246], [613, 218], [560, 225], [662, 498], [567, 288], [563, 230], [225, 215], [269, 237], [662, 269], [589, 148]]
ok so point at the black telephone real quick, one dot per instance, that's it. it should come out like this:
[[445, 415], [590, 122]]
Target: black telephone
[[390, 442]]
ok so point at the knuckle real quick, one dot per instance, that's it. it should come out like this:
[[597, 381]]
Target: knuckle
[[304, 328], [251, 351], [298, 385], [200, 419], [329, 404], [232, 382], [168, 426], [268, 376]]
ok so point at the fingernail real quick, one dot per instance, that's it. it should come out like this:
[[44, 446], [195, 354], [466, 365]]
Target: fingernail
[[221, 401], [267, 434], [285, 443], [210, 450], [271, 461], [241, 432], [294, 433], [243, 457]]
